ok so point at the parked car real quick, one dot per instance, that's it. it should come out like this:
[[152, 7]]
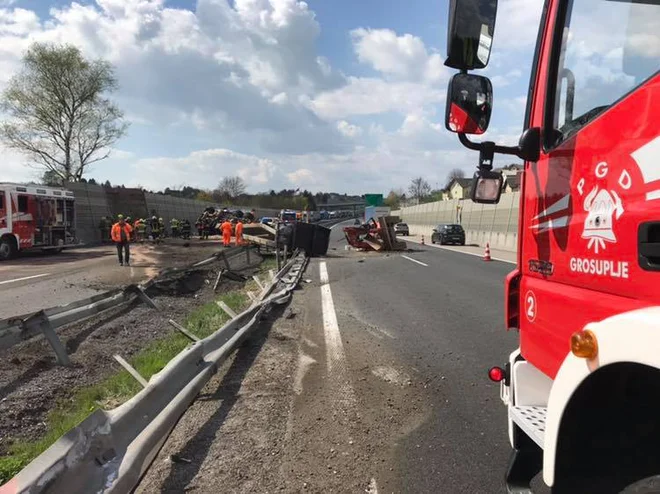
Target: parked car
[[448, 234], [401, 229]]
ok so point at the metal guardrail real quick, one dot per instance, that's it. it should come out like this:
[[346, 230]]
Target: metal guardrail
[[110, 450], [17, 329]]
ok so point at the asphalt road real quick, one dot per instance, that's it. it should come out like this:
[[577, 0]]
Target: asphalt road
[[37, 281], [375, 381], [443, 321]]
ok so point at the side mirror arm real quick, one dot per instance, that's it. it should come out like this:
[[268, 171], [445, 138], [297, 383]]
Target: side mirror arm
[[528, 148]]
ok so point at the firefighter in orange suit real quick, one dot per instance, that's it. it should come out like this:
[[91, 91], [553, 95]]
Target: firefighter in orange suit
[[239, 233], [226, 233], [121, 236]]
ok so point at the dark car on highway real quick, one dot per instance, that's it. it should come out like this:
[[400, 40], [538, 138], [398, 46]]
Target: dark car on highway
[[448, 234]]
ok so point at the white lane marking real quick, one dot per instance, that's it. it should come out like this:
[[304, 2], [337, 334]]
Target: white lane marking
[[23, 279], [374, 334], [456, 249], [337, 368], [415, 260]]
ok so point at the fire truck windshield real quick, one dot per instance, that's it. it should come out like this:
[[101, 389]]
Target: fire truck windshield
[[608, 49]]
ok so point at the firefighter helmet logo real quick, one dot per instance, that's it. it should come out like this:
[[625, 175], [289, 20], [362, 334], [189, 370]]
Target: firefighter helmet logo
[[603, 207]]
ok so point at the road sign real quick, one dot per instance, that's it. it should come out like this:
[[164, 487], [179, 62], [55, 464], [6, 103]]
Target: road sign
[[373, 199]]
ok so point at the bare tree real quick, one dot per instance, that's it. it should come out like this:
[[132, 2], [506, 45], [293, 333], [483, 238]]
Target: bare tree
[[231, 187], [454, 174], [58, 115], [419, 188]]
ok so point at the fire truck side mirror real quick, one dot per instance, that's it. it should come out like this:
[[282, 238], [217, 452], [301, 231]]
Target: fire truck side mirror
[[486, 187], [469, 104], [470, 33]]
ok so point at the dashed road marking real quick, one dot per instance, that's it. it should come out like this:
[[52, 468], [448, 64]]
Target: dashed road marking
[[23, 279], [415, 260]]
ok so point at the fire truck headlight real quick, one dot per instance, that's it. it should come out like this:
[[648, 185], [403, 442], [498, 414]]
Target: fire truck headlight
[[584, 344]]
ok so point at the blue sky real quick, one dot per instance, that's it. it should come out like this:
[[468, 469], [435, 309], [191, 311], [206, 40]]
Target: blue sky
[[328, 95]]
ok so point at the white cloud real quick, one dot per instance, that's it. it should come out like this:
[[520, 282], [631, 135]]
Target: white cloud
[[249, 71], [372, 96], [303, 177], [403, 57], [348, 129], [238, 69], [203, 169]]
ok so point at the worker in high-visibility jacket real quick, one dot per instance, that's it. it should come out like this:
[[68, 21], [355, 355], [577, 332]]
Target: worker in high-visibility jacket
[[121, 236], [226, 233], [239, 233]]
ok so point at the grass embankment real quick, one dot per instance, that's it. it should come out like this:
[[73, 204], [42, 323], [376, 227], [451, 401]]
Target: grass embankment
[[119, 387]]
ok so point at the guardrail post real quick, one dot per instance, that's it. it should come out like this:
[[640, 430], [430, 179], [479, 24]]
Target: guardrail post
[[258, 281], [272, 274], [225, 260], [217, 280], [226, 308], [131, 370], [43, 322], [183, 330], [277, 246], [145, 298]]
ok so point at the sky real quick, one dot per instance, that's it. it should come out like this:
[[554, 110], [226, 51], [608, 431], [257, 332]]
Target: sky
[[326, 95]]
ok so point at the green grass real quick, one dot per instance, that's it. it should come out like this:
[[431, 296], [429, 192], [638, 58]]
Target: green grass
[[119, 387]]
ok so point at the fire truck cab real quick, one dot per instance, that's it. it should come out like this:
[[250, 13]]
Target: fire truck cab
[[582, 390], [35, 217]]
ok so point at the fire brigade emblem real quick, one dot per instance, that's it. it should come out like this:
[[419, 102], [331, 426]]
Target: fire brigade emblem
[[603, 208]]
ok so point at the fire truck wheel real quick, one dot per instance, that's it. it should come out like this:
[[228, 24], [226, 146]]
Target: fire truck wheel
[[7, 248]]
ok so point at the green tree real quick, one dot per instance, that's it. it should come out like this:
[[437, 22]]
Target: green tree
[[58, 114]]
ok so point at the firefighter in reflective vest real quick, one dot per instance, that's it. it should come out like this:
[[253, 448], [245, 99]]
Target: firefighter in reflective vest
[[226, 233], [121, 236], [239, 232], [174, 227]]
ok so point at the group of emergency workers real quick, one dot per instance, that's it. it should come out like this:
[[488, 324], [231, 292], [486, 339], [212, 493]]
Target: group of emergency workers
[[124, 230]]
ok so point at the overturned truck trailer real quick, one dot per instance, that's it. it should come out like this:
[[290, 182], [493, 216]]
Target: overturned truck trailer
[[377, 234]]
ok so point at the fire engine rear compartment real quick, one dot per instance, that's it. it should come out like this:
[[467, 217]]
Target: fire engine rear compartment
[[39, 220], [53, 221]]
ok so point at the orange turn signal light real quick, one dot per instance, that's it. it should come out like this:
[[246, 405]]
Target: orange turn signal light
[[584, 344]]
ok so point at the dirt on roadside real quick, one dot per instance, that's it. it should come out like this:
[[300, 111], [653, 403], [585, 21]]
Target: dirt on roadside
[[31, 382], [272, 420]]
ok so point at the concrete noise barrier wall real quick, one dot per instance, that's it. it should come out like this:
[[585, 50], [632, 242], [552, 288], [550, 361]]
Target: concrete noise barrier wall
[[496, 224], [94, 202]]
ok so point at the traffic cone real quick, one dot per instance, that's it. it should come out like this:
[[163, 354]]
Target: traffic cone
[[487, 253], [423, 240]]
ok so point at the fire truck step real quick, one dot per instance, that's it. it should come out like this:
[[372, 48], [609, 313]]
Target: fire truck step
[[531, 420]]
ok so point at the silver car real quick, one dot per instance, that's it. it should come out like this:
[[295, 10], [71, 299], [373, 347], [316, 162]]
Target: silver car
[[401, 229]]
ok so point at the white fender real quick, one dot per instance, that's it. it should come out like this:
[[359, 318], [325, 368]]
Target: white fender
[[629, 337]]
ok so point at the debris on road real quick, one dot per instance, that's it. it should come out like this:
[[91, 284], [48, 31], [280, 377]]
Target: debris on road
[[375, 235]]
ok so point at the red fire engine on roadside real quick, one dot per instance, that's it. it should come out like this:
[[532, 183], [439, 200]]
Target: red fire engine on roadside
[[582, 391], [35, 217]]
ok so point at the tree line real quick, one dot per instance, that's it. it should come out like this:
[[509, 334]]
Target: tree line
[[420, 190]]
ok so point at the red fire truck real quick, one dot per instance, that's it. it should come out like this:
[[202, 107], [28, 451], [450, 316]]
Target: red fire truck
[[35, 217], [582, 391]]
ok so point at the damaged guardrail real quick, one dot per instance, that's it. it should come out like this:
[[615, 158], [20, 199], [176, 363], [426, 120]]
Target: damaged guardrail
[[17, 329], [110, 450]]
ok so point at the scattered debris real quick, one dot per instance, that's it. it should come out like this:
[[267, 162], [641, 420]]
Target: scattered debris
[[377, 235], [179, 459]]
